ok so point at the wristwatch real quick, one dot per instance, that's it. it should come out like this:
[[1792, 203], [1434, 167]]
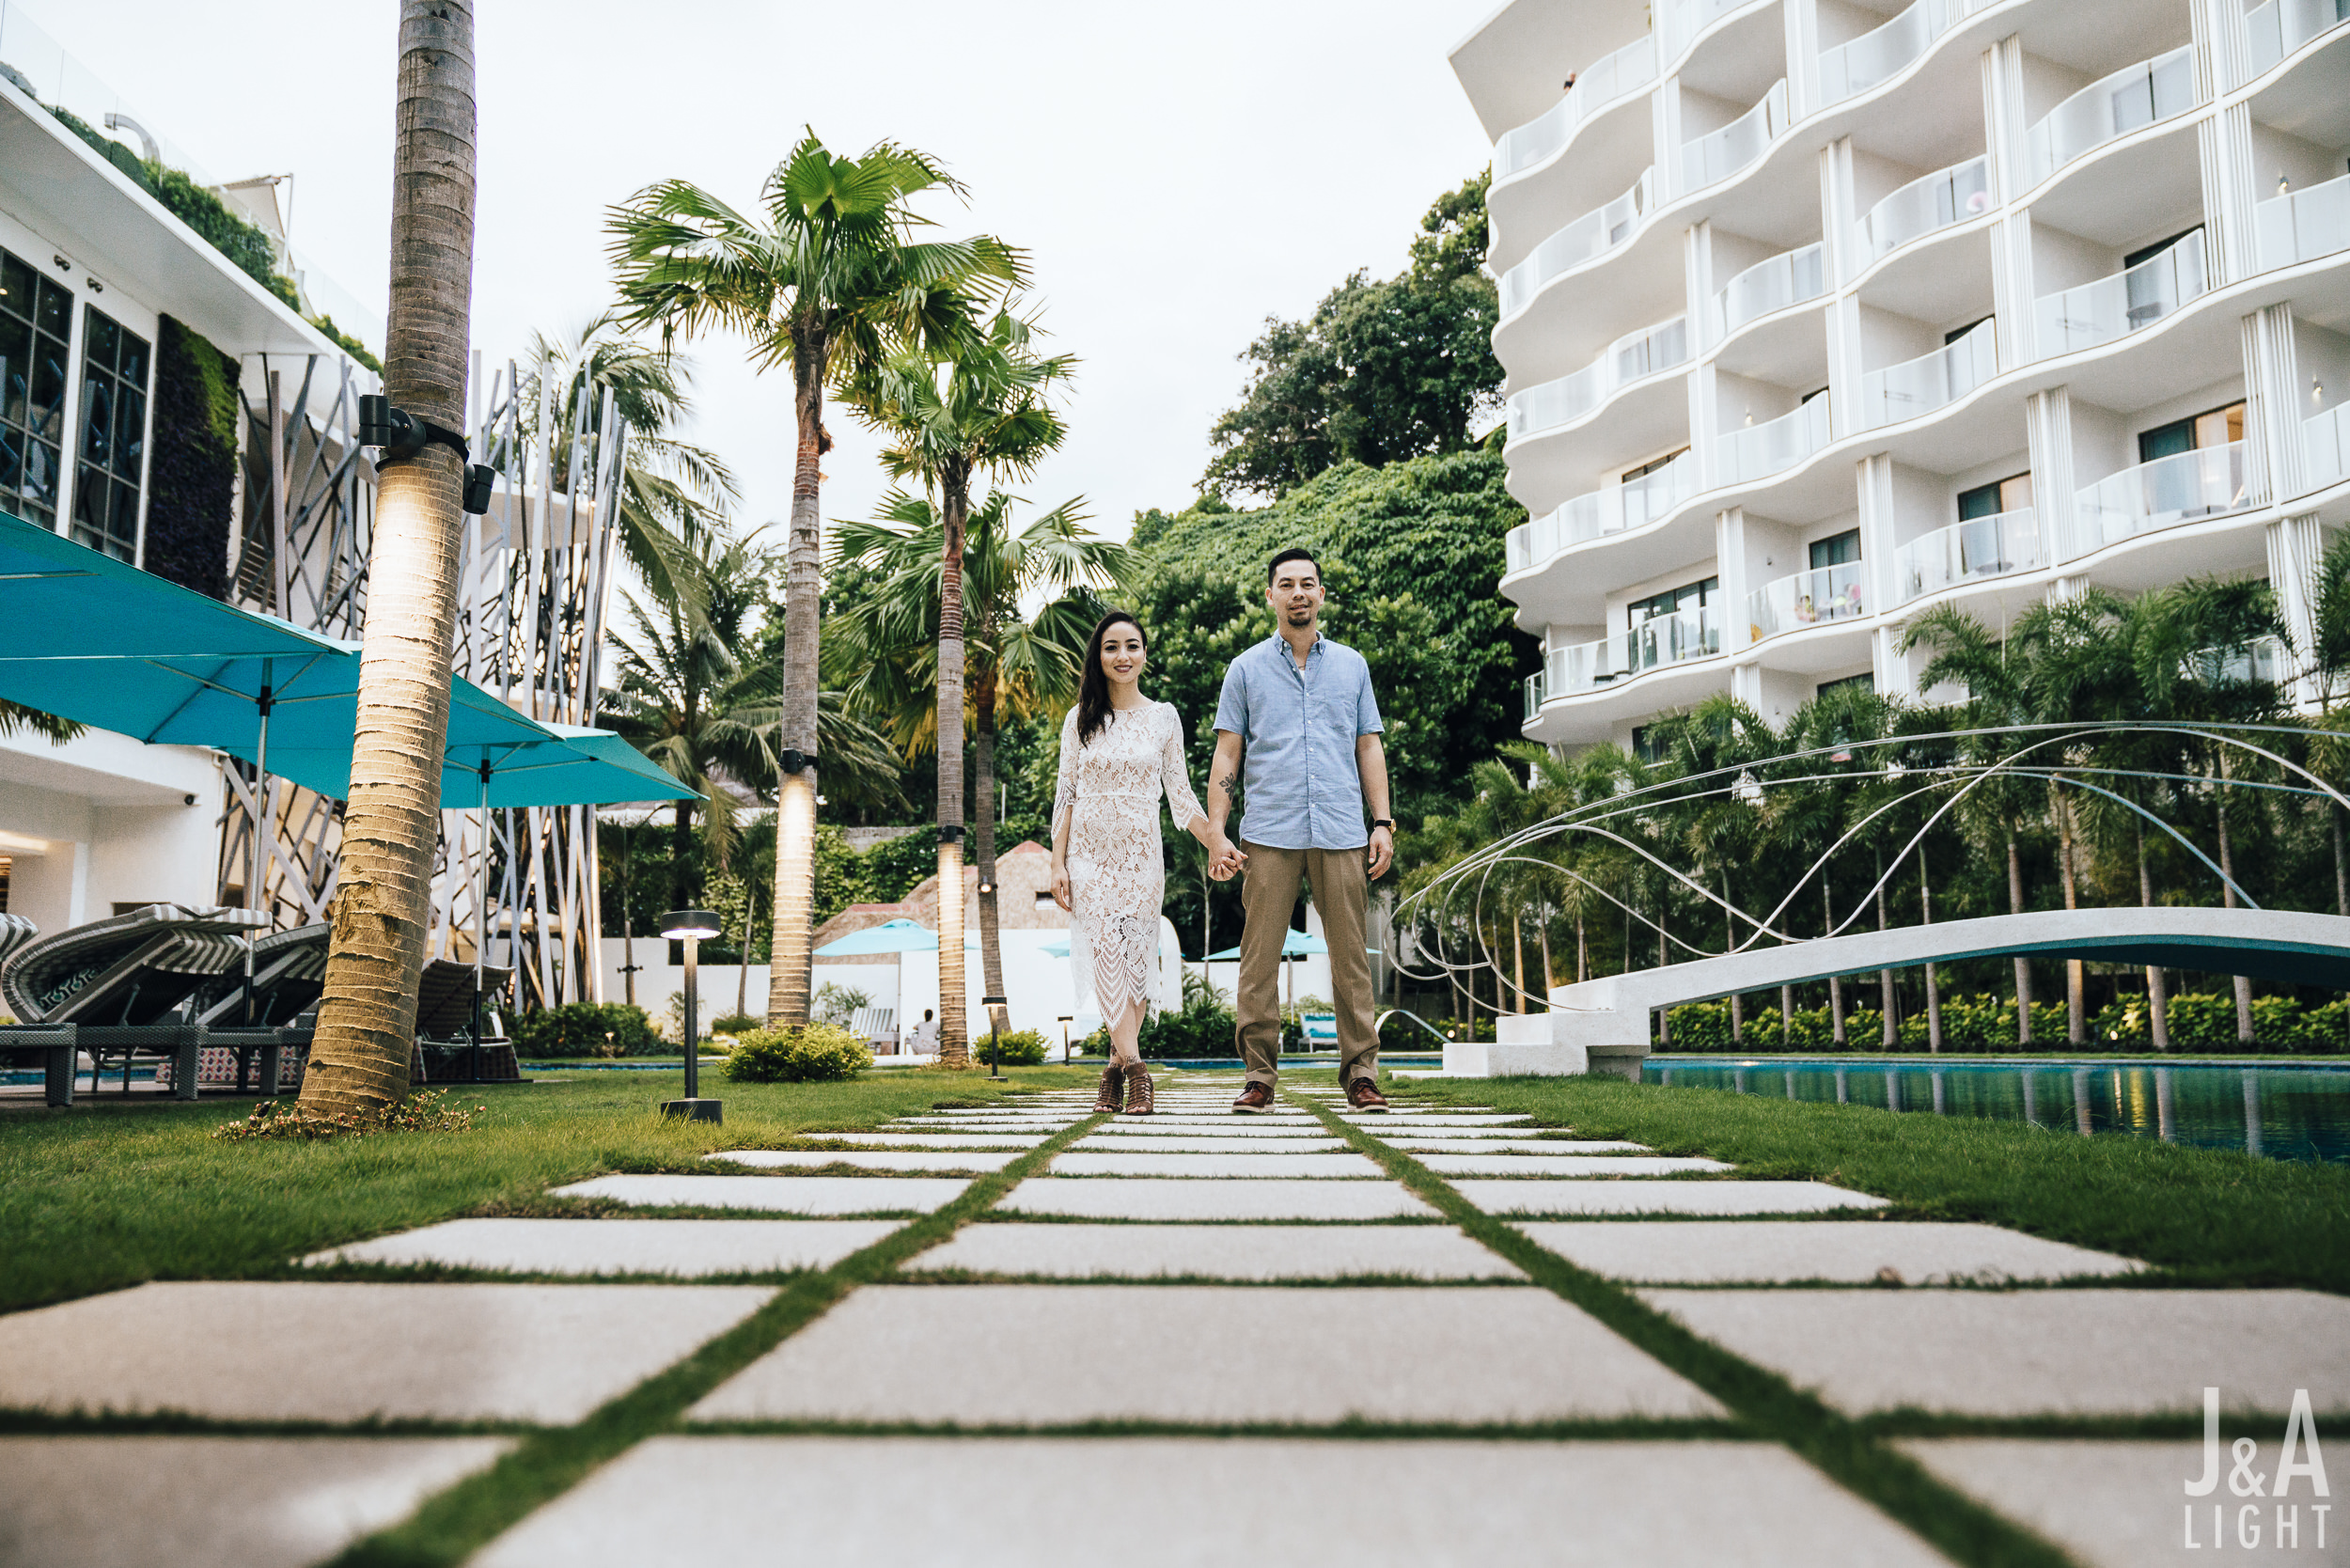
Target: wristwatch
[[1382, 821]]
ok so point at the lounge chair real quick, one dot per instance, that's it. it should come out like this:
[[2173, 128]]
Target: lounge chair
[[878, 1027], [445, 1027], [119, 988], [1321, 1030]]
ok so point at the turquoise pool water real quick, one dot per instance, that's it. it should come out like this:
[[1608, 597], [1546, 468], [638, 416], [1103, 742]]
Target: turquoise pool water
[[2284, 1112]]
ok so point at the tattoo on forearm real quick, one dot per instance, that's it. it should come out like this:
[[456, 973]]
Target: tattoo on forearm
[[1229, 784]]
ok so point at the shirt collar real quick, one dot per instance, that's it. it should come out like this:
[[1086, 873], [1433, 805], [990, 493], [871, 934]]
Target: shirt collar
[[1280, 645]]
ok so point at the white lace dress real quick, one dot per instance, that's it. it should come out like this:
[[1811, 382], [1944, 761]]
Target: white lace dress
[[1108, 793]]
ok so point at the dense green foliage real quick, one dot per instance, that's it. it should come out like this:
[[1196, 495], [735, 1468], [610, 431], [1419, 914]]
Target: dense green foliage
[[584, 1029], [820, 1053], [1380, 372], [2199, 1022], [1012, 1048], [192, 465]]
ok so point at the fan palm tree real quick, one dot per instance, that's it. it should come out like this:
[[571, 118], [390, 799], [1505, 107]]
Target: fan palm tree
[[882, 652], [825, 278], [969, 408], [392, 822]]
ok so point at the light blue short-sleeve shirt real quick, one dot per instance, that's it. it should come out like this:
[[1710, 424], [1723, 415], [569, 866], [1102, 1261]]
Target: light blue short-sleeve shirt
[[1298, 728]]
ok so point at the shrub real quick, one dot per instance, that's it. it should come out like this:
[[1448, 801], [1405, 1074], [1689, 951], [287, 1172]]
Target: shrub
[[736, 1022], [821, 1053], [584, 1029], [1203, 1028], [1014, 1048]]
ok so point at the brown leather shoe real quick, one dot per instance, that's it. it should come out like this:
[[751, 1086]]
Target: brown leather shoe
[[1113, 1085], [1140, 1101], [1254, 1099], [1363, 1094]]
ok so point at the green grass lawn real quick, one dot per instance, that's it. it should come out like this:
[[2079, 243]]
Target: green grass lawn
[[2206, 1216], [110, 1193]]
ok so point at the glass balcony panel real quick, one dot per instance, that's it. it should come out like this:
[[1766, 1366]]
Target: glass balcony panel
[[1578, 667], [1788, 278], [2181, 488], [2325, 446], [1806, 599], [2120, 305], [1923, 384], [2131, 97], [2301, 225], [2282, 26], [1628, 359], [1533, 696], [1755, 450], [1724, 152], [2263, 659], [1980, 547], [1865, 61], [1670, 639], [1633, 66], [1592, 234], [1917, 209], [1692, 17], [1630, 504]]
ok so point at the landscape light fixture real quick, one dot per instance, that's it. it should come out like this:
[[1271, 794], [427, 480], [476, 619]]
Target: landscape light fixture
[[985, 888], [692, 927], [996, 1008], [1747, 791], [398, 435], [1066, 1019]]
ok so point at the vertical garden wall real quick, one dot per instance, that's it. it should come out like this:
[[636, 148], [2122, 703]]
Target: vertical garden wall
[[192, 469]]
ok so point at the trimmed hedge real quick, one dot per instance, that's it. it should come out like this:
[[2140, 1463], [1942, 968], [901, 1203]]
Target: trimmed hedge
[[586, 1029], [1016, 1048], [1985, 1025], [821, 1053]]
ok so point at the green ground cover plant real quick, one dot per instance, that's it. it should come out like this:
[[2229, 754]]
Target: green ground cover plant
[[2200, 1023], [820, 1053], [108, 1195], [2204, 1216]]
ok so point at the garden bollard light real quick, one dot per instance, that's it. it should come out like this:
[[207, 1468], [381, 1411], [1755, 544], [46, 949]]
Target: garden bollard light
[[1066, 1019], [995, 1005], [691, 926]]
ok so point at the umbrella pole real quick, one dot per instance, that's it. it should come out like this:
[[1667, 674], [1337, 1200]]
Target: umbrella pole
[[261, 825], [480, 926]]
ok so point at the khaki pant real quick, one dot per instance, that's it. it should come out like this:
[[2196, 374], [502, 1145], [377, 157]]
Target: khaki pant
[[1268, 893]]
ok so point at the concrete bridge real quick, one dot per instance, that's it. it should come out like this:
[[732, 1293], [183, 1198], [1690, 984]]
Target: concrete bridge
[[1602, 1025]]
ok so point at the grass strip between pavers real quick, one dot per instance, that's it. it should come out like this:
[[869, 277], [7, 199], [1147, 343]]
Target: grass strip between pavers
[[460, 1520], [1771, 1406]]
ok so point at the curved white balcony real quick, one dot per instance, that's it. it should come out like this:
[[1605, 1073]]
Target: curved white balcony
[[2326, 447], [1535, 686], [1811, 598], [1873, 56], [2185, 486], [2117, 305], [2301, 225], [1979, 548], [2115, 105], [2277, 28], [1719, 155], [2265, 659], [1594, 233], [1584, 666], [1632, 504], [1757, 450], [1631, 357], [1939, 199], [1692, 17], [1788, 278], [1923, 384], [1522, 148]]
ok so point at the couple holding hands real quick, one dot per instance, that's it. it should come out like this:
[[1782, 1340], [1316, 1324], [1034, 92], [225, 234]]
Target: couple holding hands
[[1297, 722]]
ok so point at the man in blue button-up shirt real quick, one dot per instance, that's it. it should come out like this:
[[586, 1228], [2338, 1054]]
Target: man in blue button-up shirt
[[1298, 708]]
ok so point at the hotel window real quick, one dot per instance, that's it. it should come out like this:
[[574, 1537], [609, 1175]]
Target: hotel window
[[1864, 681], [2012, 493], [35, 320], [1836, 551], [2218, 428], [113, 447], [1694, 596], [1647, 468]]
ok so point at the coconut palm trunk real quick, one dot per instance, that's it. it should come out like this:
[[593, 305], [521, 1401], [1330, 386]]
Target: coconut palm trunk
[[367, 1010], [2157, 998], [2023, 965], [2227, 892], [954, 1040], [983, 798], [796, 789], [2076, 983]]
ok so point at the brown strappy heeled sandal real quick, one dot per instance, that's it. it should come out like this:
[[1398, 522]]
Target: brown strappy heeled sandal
[[1105, 1101], [1139, 1091]]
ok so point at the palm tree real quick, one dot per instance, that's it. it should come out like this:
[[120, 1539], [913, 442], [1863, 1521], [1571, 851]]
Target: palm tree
[[973, 407], [49, 727], [825, 278], [884, 652], [367, 1010]]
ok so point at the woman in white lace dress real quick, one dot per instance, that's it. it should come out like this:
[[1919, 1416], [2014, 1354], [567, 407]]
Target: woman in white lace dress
[[1119, 752]]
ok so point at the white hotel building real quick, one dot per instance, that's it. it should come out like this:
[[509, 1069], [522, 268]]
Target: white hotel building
[[1816, 315]]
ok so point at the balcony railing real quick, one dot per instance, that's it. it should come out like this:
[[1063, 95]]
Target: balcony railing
[[1722, 153], [1965, 552], [1788, 278], [1534, 694], [1758, 449], [2265, 659], [1671, 640], [1629, 358], [2282, 26], [1872, 58], [1692, 17], [1630, 504], [2301, 225], [2117, 305], [1920, 386], [2135, 96], [2184, 487], [2325, 446], [1521, 149], [1594, 233], [1806, 599], [1944, 197]]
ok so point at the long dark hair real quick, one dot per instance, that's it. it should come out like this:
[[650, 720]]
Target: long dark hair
[[1093, 687]]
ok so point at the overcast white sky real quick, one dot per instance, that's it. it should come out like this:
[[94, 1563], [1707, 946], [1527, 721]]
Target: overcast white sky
[[1178, 171]]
